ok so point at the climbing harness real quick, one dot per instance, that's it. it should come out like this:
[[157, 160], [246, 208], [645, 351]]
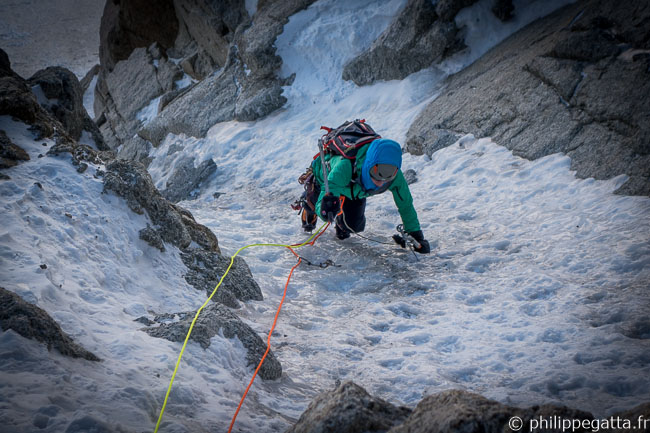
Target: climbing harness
[[312, 239]]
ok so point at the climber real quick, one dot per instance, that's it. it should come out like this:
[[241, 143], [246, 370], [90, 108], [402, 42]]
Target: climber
[[374, 169]]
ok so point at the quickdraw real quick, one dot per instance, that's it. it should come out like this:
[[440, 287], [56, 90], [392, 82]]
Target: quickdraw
[[326, 264]]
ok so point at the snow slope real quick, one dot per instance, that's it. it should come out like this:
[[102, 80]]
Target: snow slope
[[537, 290]]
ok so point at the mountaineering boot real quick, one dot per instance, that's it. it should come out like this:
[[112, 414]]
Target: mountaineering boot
[[309, 220], [341, 232]]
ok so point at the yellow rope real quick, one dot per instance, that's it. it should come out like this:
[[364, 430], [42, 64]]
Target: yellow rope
[[196, 316]]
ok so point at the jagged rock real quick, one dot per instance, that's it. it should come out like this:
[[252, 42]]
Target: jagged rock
[[413, 41], [216, 318], [198, 110], [198, 232], [570, 82], [81, 153], [17, 100], [152, 237], [461, 411], [132, 85], [10, 154], [173, 224], [64, 100], [348, 409], [127, 25], [131, 181], [211, 25], [186, 179], [34, 323], [246, 86], [5, 66], [136, 149], [205, 270]]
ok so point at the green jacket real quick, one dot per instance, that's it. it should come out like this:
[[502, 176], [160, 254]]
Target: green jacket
[[341, 184]]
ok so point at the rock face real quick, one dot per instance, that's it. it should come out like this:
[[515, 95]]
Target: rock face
[[10, 154], [186, 179], [349, 408], [130, 180], [64, 100], [34, 323], [173, 224], [413, 41], [17, 100], [127, 25], [205, 270], [575, 82], [213, 319], [230, 58]]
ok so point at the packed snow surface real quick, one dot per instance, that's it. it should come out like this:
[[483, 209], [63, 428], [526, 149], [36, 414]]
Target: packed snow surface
[[536, 290]]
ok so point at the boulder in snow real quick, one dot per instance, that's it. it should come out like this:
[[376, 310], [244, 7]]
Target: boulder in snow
[[186, 179], [215, 319], [205, 270], [58, 91], [34, 323], [349, 409], [10, 154]]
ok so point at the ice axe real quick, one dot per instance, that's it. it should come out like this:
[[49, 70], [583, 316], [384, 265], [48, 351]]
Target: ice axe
[[403, 239]]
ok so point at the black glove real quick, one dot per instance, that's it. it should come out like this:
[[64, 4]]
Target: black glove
[[425, 248], [329, 207]]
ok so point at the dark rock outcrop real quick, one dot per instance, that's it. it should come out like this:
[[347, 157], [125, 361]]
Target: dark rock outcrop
[[217, 43], [64, 96], [213, 319], [186, 179], [414, 40], [10, 154], [122, 93], [17, 100], [34, 323], [462, 411], [205, 270], [576, 81], [127, 25], [349, 409], [131, 181]]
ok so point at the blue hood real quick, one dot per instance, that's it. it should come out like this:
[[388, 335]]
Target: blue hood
[[381, 151]]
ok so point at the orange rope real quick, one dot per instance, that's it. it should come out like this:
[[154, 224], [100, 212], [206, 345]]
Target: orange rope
[[268, 341], [277, 313]]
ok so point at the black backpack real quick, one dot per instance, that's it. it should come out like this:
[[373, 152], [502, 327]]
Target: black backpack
[[348, 138]]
